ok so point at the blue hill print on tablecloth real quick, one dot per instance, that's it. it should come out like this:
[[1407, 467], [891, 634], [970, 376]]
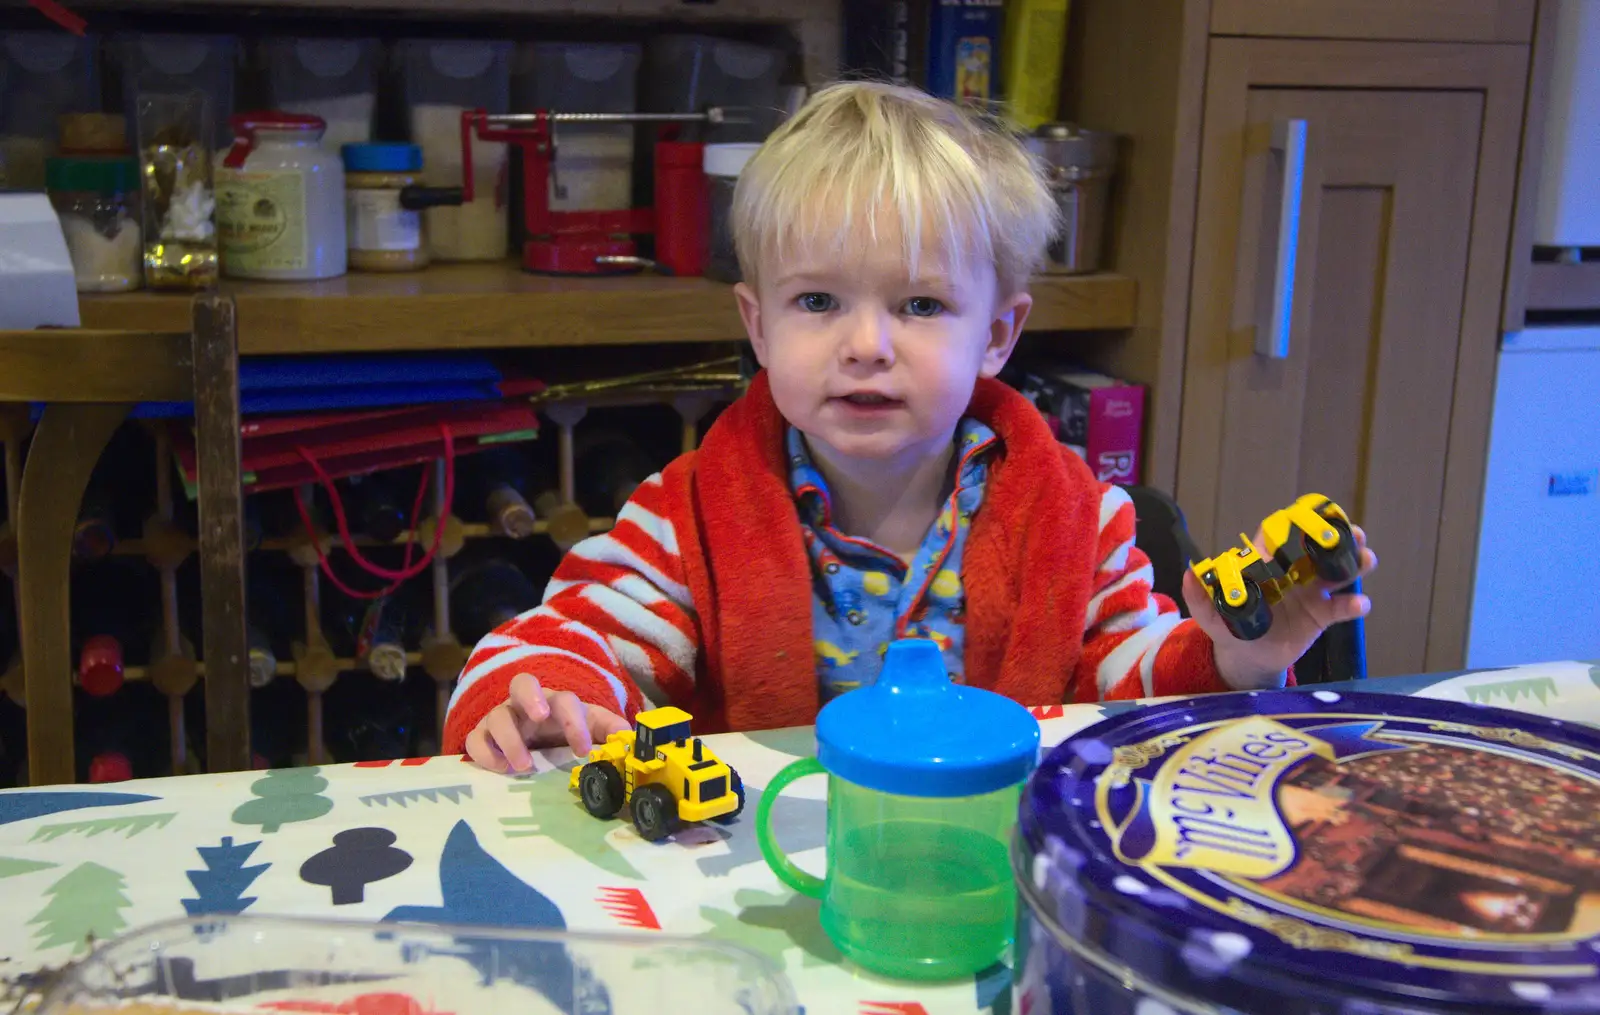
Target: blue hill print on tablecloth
[[477, 889], [22, 806]]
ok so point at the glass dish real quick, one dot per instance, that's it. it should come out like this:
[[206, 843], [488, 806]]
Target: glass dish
[[250, 964]]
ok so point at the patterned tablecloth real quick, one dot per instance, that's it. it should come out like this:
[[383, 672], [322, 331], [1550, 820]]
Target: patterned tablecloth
[[439, 840]]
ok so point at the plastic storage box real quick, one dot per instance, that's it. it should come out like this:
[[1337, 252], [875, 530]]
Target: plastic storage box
[[42, 75], [440, 79], [274, 965], [172, 64], [594, 162], [336, 79], [1312, 853], [687, 73]]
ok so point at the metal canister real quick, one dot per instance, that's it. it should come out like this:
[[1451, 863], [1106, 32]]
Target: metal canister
[[1080, 164], [1327, 852]]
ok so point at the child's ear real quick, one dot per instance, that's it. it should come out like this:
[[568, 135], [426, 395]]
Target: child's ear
[[1009, 317], [750, 313]]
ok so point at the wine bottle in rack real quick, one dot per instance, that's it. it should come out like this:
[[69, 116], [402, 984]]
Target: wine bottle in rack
[[392, 623], [272, 595], [280, 521], [251, 524], [609, 467], [368, 719], [485, 594], [494, 483], [120, 490], [122, 736], [374, 632], [377, 505], [277, 725], [113, 617], [95, 533]]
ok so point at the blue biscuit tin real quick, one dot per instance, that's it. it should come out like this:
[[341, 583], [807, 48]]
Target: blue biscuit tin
[[1312, 853]]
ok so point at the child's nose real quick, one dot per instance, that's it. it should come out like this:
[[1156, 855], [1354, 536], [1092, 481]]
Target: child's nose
[[868, 338]]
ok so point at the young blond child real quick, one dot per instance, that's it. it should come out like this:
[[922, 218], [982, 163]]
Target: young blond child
[[875, 481]]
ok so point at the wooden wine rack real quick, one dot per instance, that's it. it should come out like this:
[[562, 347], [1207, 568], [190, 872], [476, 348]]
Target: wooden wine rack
[[174, 668]]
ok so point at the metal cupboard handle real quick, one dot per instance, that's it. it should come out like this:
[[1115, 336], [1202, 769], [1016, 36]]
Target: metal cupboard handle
[[1289, 144]]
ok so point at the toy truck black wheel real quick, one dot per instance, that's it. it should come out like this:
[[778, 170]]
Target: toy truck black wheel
[[655, 813], [600, 787], [1250, 619], [736, 787], [1339, 564]]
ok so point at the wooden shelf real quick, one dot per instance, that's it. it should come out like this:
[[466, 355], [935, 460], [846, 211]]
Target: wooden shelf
[[490, 306]]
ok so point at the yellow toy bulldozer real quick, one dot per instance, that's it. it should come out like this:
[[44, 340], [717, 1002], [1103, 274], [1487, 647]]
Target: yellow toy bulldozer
[[663, 774], [1307, 540]]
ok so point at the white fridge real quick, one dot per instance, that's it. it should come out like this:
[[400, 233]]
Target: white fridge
[[1537, 593]]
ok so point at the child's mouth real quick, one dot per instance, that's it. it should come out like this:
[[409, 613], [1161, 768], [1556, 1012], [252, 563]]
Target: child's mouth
[[869, 401]]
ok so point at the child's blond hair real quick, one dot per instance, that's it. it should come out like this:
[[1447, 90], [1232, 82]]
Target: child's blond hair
[[861, 152]]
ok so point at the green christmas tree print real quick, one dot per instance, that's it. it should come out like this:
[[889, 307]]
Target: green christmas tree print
[[85, 904], [11, 866], [284, 796]]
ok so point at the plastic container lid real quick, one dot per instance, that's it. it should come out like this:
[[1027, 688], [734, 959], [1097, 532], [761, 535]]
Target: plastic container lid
[[379, 157], [95, 175], [1296, 853], [728, 159], [915, 733], [245, 124]]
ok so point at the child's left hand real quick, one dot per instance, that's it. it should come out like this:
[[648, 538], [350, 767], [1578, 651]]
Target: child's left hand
[[1297, 620]]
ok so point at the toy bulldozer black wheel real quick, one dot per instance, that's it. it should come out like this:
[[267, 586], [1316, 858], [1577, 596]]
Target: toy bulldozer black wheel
[[1340, 564], [1250, 619], [655, 813], [600, 787], [736, 787]]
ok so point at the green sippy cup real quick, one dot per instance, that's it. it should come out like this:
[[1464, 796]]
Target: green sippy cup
[[924, 778]]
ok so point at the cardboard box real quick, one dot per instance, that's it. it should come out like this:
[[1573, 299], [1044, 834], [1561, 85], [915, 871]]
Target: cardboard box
[[1099, 417], [964, 50]]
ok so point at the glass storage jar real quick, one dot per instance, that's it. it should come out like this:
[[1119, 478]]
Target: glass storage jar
[[384, 230], [280, 200], [97, 200]]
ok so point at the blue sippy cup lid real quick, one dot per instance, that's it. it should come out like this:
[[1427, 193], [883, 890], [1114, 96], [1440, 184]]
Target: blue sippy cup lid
[[915, 733]]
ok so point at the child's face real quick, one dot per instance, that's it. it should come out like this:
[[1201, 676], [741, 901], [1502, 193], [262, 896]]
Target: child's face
[[872, 363]]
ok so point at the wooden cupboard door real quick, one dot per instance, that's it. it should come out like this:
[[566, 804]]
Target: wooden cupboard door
[[1357, 405], [1438, 20]]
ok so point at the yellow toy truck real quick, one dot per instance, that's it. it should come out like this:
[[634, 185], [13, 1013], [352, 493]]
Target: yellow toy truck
[[664, 775], [1308, 540]]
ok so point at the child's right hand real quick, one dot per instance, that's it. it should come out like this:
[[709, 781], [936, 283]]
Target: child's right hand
[[532, 718]]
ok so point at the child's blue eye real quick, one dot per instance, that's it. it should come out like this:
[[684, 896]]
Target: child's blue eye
[[924, 306], [817, 303]]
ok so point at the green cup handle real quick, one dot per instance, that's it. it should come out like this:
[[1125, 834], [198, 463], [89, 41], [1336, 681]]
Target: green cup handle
[[788, 873]]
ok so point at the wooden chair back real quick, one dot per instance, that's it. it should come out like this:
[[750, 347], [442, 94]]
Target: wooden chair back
[[89, 381]]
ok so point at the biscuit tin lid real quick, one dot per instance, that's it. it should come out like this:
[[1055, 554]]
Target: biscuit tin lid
[[1308, 852]]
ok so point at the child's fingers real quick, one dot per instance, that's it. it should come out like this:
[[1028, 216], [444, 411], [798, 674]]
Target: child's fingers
[[505, 732], [483, 753], [529, 698], [603, 722], [1339, 609], [569, 710], [1196, 597]]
